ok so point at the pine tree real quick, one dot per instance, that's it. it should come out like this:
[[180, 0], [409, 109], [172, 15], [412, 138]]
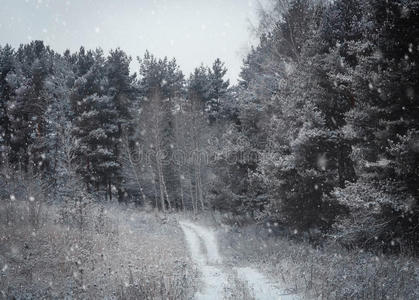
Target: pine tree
[[96, 128], [120, 87], [199, 86], [28, 105], [58, 118], [383, 125], [120, 82], [7, 68], [217, 88]]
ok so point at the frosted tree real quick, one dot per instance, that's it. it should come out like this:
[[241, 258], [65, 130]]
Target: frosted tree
[[27, 108], [7, 68], [96, 129], [217, 89], [383, 125], [160, 83]]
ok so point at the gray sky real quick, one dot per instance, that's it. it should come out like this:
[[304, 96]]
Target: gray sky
[[192, 31]]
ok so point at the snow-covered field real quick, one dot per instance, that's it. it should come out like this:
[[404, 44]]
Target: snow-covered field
[[118, 253], [127, 253], [327, 272]]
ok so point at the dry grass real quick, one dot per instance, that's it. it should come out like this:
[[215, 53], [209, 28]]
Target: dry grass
[[117, 253], [238, 290], [328, 273]]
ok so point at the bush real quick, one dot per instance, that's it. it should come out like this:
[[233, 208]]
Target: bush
[[377, 219]]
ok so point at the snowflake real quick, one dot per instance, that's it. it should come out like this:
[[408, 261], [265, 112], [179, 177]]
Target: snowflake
[[322, 162]]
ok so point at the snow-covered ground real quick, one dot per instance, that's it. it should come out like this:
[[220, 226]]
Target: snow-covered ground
[[203, 246], [213, 277], [261, 287]]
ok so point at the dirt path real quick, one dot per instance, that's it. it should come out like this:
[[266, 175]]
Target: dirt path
[[203, 246], [213, 277], [260, 286]]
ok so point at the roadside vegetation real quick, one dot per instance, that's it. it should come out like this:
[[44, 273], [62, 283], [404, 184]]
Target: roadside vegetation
[[90, 251], [327, 271]]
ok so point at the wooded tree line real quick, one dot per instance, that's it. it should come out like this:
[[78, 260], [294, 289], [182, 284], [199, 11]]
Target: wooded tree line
[[84, 115], [329, 98], [321, 134]]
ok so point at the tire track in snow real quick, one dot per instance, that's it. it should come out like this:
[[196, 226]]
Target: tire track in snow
[[214, 279], [210, 264]]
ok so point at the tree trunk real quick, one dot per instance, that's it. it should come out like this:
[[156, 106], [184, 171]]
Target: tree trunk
[[181, 194], [110, 190], [192, 197]]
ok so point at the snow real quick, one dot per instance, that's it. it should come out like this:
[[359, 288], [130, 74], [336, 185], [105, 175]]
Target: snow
[[263, 289], [209, 240], [213, 277], [214, 273]]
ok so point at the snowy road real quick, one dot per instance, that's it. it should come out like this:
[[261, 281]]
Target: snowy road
[[203, 246], [260, 286], [208, 262]]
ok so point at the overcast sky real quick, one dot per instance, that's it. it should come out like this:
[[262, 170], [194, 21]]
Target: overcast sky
[[192, 31]]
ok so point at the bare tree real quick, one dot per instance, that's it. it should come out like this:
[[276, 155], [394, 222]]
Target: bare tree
[[152, 123]]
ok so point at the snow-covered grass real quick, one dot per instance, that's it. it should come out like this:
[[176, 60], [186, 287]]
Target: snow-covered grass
[[331, 272], [117, 252], [238, 289]]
